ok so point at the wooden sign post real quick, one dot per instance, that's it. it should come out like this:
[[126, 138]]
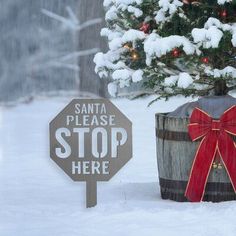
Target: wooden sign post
[[91, 140], [91, 193]]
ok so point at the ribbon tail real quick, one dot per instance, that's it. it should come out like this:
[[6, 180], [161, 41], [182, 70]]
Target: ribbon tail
[[227, 151], [201, 168]]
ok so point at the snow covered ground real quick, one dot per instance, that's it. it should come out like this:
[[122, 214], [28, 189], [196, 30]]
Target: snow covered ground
[[38, 199]]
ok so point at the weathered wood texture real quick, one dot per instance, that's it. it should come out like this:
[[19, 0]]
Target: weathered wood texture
[[90, 38], [175, 154]]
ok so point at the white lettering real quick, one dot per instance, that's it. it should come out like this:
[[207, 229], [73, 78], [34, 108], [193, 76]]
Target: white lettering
[[90, 167], [86, 168], [81, 133], [69, 119], [67, 150], [105, 166], [95, 145], [77, 108], [116, 142], [76, 168]]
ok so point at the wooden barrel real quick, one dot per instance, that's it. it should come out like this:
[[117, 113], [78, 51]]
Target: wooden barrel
[[175, 154]]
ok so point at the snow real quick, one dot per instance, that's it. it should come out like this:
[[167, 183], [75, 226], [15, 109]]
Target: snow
[[167, 9], [170, 5], [185, 80], [222, 2], [123, 77], [128, 36], [127, 2], [215, 22], [107, 59], [156, 46], [112, 89], [160, 16], [171, 80], [114, 6], [107, 3], [115, 44], [137, 76], [133, 35], [208, 38], [224, 27], [212, 33], [228, 71], [106, 32], [111, 14], [233, 30], [137, 12], [37, 198], [121, 74], [234, 40]]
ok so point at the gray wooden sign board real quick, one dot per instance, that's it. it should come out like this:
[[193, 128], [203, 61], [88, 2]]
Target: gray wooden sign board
[[91, 140]]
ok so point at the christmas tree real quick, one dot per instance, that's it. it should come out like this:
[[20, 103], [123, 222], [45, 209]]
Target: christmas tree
[[174, 47]]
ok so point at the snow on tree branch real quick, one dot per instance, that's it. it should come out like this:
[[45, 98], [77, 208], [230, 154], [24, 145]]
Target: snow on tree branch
[[176, 47]]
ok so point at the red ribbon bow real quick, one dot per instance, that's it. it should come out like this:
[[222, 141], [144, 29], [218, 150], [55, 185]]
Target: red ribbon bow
[[215, 135]]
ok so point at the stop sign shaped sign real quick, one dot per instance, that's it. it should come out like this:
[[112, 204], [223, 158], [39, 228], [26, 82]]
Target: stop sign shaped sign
[[91, 140]]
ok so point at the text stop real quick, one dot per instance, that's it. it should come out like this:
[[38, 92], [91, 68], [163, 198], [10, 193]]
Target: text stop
[[99, 141]]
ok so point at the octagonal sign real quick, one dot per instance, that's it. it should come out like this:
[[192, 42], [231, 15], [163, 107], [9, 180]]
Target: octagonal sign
[[91, 140]]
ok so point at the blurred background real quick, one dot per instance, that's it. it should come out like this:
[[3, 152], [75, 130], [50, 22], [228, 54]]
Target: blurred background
[[47, 48]]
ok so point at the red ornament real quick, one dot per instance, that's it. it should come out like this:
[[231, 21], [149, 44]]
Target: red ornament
[[205, 60], [145, 28], [223, 13], [215, 136], [176, 52]]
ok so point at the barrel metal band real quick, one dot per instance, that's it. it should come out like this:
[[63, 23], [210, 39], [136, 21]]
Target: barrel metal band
[[173, 135], [211, 187]]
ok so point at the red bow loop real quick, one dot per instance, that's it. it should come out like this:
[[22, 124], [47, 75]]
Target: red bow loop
[[228, 121], [215, 139]]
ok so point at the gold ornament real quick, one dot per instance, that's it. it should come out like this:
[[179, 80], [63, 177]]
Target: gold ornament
[[134, 56], [214, 165], [220, 167]]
